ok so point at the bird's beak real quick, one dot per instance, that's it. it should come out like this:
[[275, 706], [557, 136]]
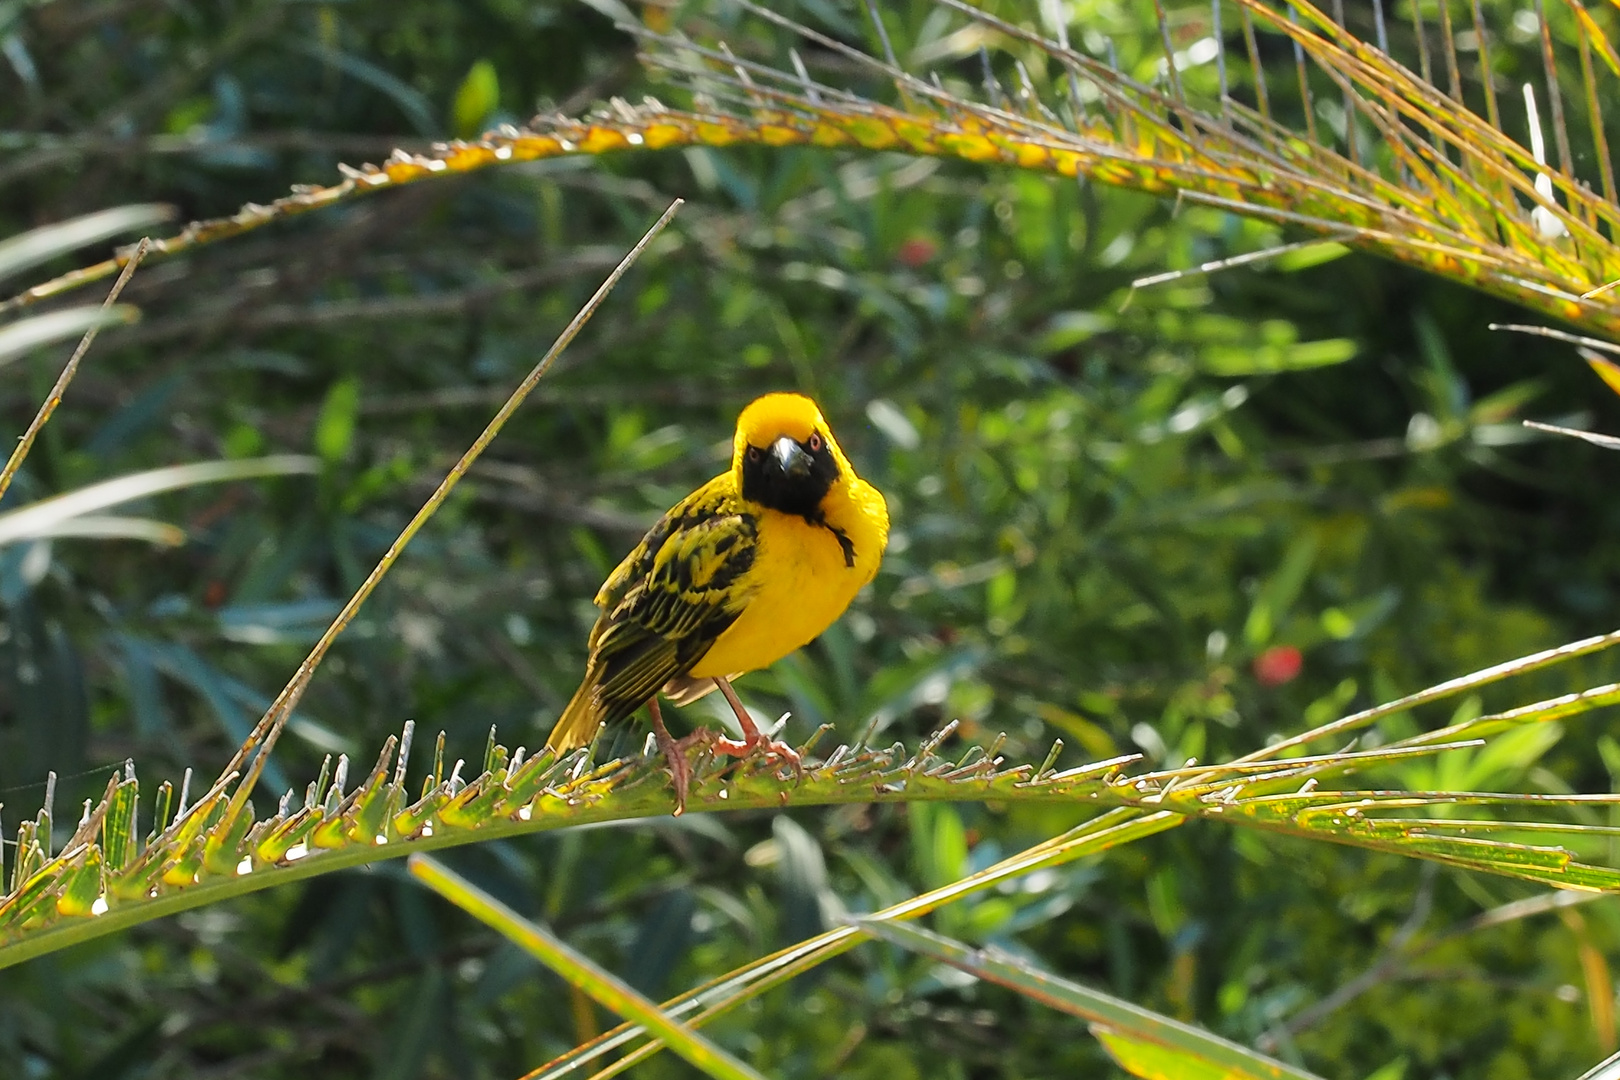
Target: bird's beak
[[791, 457]]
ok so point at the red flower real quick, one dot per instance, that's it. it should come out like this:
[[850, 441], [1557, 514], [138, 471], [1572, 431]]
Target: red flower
[[917, 251], [1278, 664]]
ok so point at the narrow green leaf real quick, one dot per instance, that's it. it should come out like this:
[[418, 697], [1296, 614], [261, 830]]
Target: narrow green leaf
[[114, 527], [476, 98], [78, 893], [47, 242], [1313, 255], [118, 826], [334, 427], [1279, 592], [580, 970], [1142, 1041], [21, 338], [37, 519], [1231, 361]]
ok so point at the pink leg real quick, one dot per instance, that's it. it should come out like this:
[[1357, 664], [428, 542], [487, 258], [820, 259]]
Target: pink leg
[[752, 738], [674, 751]]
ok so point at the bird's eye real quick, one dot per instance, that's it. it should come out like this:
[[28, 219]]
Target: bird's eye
[[815, 443], [753, 453]]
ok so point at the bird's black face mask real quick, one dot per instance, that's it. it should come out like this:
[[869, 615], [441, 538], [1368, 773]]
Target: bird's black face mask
[[790, 476]]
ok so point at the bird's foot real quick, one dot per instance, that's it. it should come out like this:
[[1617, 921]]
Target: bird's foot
[[758, 742], [676, 757], [753, 738]]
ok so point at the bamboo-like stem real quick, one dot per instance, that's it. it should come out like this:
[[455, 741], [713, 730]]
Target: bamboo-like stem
[[1486, 75], [47, 408], [1594, 110], [270, 725], [1448, 44], [1555, 96], [1351, 150], [1260, 97], [1304, 84], [1418, 31]]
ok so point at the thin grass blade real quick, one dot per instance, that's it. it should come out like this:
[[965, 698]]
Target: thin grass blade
[[41, 518], [21, 338], [49, 241], [605, 988]]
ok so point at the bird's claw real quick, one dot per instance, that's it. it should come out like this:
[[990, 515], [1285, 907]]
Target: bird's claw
[[771, 748], [680, 765]]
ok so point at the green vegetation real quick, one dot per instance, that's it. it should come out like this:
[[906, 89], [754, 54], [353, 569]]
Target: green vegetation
[[1169, 525]]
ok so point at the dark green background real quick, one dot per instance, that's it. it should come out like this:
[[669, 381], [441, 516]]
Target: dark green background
[[1084, 510]]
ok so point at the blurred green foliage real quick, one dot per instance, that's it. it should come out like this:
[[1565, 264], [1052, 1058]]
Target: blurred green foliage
[[1120, 518]]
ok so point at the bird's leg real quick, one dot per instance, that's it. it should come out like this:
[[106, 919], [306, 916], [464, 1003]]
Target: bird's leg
[[674, 751], [752, 738]]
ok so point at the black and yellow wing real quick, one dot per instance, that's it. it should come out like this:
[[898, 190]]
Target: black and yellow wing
[[663, 607]]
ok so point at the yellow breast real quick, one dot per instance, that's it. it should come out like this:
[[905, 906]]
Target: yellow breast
[[800, 582]]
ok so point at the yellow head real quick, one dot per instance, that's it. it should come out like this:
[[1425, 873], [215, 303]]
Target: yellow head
[[785, 457]]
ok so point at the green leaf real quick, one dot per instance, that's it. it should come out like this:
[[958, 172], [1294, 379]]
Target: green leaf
[[1145, 1043], [1314, 255], [1231, 360], [478, 95], [1279, 592], [334, 427]]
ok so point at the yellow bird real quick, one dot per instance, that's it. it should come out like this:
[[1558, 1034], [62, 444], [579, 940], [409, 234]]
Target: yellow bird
[[749, 567]]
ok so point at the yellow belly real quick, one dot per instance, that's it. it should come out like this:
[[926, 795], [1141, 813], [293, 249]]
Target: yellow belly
[[799, 585]]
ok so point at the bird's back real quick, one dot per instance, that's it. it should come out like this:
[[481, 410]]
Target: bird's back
[[662, 608]]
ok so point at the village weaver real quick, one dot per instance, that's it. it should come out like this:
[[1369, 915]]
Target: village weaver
[[749, 567]]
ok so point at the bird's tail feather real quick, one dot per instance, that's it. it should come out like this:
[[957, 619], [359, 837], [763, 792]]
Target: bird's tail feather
[[578, 723]]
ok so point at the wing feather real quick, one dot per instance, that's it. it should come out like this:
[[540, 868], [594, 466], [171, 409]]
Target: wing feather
[[671, 598]]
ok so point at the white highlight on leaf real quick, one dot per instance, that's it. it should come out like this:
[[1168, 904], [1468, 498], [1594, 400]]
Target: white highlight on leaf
[[40, 518], [296, 852], [45, 243], [99, 907], [1546, 222], [244, 867], [20, 338]]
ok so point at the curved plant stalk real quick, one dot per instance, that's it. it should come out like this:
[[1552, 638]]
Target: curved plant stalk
[[104, 879], [1141, 1041], [1607, 1069], [1439, 187], [719, 996]]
